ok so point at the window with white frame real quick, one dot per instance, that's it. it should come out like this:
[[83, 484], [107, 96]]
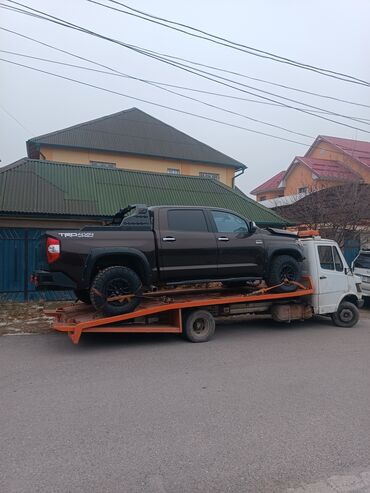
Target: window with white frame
[[102, 164], [213, 176], [303, 190], [173, 171]]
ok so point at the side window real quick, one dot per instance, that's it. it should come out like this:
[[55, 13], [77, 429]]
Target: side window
[[186, 220], [213, 176], [228, 223], [103, 164], [326, 257], [337, 260]]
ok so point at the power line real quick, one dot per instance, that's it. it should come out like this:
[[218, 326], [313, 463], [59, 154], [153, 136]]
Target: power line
[[200, 73], [148, 102], [228, 43], [13, 118], [159, 57], [145, 52], [151, 102], [116, 72], [242, 75], [172, 92], [325, 96]]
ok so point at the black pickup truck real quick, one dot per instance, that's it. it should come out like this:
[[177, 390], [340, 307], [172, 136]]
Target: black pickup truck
[[146, 247]]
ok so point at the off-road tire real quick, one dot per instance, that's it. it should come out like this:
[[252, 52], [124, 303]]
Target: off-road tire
[[112, 281], [83, 295], [198, 326], [284, 266], [347, 315]]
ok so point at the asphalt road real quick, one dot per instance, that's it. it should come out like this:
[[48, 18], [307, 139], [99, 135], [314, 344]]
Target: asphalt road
[[261, 408]]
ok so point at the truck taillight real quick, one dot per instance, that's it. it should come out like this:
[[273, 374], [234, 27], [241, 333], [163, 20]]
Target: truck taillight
[[52, 249]]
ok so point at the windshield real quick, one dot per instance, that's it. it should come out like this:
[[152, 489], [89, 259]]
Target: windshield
[[363, 261]]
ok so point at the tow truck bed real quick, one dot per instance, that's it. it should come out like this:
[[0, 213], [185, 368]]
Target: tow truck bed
[[163, 311]]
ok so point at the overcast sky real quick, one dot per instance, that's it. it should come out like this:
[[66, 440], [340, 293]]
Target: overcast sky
[[331, 34]]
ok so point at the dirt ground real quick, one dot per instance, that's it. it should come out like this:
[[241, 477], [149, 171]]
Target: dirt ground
[[27, 318]]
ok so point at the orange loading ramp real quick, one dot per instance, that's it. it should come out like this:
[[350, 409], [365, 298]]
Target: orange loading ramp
[[78, 318]]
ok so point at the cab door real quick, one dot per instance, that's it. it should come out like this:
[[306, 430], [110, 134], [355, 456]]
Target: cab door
[[333, 281], [187, 247], [241, 251]]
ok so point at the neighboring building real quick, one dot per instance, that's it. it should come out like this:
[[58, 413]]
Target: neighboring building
[[37, 194], [270, 189], [132, 139], [329, 162]]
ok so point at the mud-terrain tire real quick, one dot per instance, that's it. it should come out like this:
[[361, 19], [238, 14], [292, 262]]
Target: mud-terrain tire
[[282, 267], [83, 295], [347, 315], [114, 281], [198, 326]]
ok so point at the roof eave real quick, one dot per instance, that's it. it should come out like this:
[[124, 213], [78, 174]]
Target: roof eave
[[237, 166], [265, 190]]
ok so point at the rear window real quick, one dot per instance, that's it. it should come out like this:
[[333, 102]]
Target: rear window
[[363, 261], [186, 220]]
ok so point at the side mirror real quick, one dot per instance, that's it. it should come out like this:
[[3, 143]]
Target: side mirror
[[252, 226]]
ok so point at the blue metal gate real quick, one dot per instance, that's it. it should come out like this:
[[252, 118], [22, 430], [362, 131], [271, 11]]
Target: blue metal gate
[[351, 249], [20, 254]]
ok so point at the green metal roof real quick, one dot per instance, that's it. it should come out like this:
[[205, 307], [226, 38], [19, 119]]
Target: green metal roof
[[41, 187]]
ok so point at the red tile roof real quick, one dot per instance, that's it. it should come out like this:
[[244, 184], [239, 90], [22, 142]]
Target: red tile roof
[[324, 168], [271, 184], [358, 149]]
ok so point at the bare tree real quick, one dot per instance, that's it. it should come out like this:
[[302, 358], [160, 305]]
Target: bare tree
[[339, 212]]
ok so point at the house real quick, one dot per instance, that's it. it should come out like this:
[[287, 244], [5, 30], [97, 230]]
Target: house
[[329, 162], [36, 194], [132, 139], [270, 189]]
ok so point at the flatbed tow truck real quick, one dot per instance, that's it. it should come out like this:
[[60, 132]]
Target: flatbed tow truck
[[328, 288]]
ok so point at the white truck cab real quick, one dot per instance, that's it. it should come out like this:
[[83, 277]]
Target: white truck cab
[[336, 286], [361, 267]]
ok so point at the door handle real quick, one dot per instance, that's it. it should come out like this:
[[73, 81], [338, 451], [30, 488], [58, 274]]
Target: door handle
[[323, 277], [223, 238], [169, 238]]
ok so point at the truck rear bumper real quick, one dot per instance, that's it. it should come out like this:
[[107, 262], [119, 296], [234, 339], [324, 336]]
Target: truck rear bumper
[[44, 279]]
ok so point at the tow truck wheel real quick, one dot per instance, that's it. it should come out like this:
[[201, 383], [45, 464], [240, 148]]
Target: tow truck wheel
[[110, 287], [199, 326], [83, 295], [347, 315]]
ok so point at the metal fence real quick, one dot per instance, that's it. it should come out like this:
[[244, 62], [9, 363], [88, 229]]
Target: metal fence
[[20, 254]]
